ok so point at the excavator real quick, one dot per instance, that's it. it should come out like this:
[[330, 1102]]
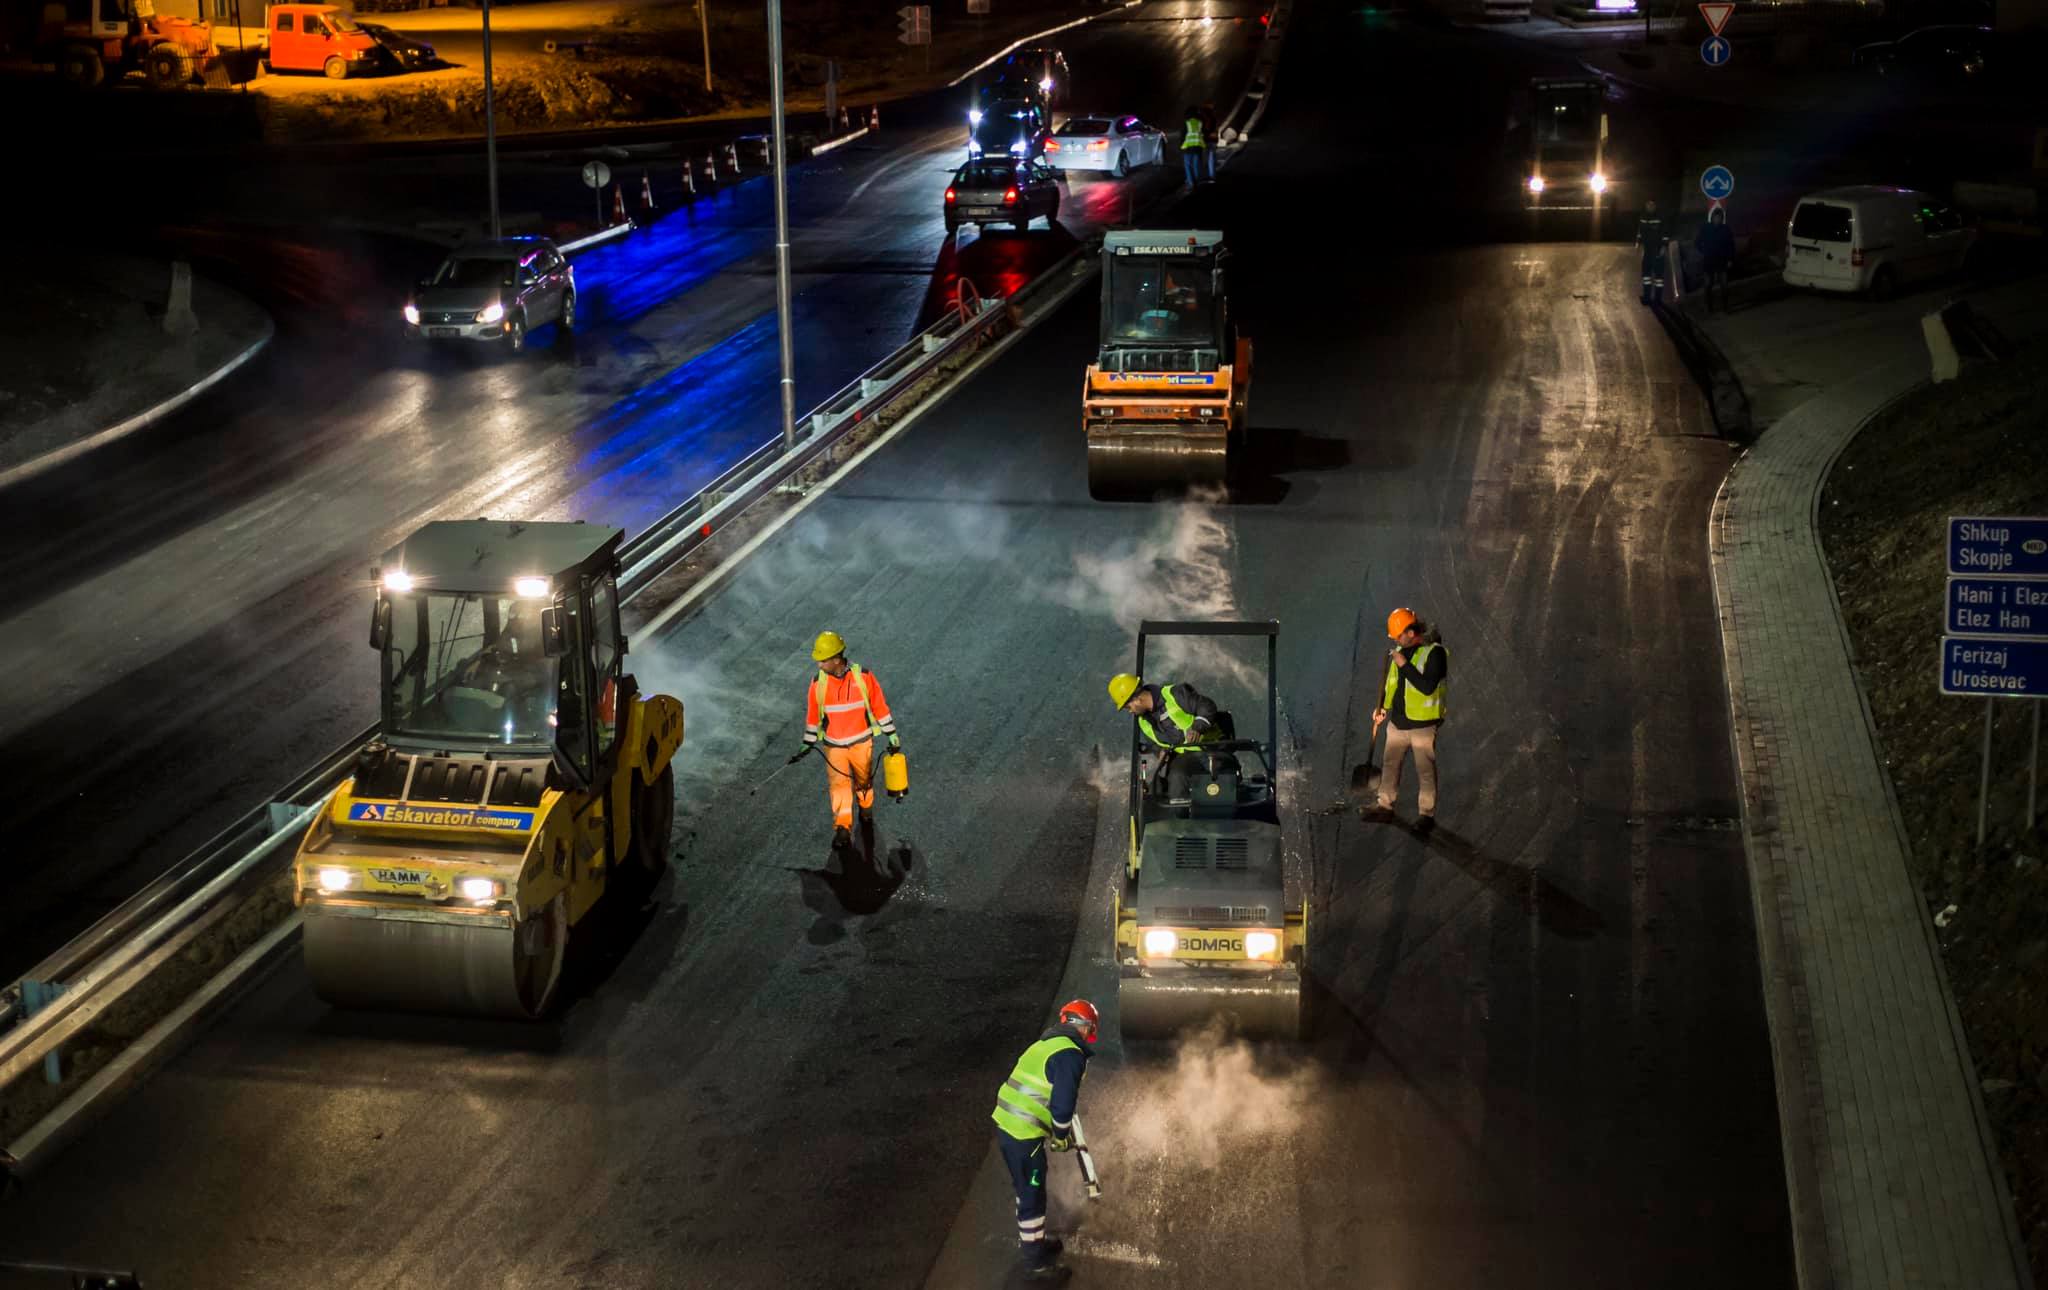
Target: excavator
[[518, 780], [1164, 402]]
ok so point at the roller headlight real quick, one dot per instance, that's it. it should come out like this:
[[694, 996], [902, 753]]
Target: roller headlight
[[480, 890], [1535, 183], [397, 580], [530, 588], [1160, 945], [490, 313], [1598, 182], [336, 879], [1262, 945]]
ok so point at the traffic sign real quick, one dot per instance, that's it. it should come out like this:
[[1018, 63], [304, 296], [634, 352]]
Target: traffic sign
[[914, 22], [1717, 15], [1717, 183], [2016, 669], [1715, 52], [596, 174], [1997, 607], [2010, 544]]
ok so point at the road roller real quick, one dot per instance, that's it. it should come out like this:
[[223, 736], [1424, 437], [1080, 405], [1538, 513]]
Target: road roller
[[1207, 922], [1164, 402], [518, 777]]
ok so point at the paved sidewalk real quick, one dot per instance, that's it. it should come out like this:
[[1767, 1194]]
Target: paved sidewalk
[[1893, 1178]]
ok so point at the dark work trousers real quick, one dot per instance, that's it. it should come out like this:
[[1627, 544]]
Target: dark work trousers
[[1653, 274], [1027, 1175]]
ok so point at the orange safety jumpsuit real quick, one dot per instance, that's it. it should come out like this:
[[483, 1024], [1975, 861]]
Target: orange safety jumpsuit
[[849, 712]]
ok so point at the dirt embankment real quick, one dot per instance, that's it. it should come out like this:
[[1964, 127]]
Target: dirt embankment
[[1970, 447]]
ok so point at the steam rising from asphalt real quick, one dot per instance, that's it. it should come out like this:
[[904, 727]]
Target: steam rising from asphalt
[[1215, 1104]]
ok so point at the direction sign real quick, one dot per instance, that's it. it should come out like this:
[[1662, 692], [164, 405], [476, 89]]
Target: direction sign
[[1717, 15], [595, 174], [1996, 607], [914, 23], [2015, 669], [1717, 182], [2008, 544], [1715, 52]]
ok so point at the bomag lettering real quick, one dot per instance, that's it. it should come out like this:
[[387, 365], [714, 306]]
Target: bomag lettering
[[1212, 944]]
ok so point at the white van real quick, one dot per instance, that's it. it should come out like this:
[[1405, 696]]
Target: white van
[[1873, 239]]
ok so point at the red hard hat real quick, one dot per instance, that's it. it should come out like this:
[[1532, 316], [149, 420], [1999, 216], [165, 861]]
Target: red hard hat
[[1082, 1010]]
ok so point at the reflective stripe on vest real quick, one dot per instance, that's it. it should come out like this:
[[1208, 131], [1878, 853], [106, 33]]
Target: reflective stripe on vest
[[825, 710], [1178, 715], [1024, 1101], [1193, 139], [1415, 705]]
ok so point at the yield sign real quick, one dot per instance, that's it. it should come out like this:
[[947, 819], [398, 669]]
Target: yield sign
[[1717, 15]]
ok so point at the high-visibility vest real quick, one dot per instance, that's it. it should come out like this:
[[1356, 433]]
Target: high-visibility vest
[[867, 705], [1178, 715], [1024, 1102], [1193, 138], [1415, 705]]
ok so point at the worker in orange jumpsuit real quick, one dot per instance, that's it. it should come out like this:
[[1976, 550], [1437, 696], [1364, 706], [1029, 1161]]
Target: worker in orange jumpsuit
[[847, 712]]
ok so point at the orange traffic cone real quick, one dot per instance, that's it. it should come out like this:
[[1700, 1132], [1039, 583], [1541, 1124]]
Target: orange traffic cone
[[618, 204], [710, 171], [844, 123], [689, 180], [874, 116], [646, 194], [732, 158]]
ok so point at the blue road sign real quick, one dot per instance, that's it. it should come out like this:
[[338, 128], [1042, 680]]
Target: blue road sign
[[1717, 182], [1715, 51], [1994, 668], [2010, 544], [1996, 607]]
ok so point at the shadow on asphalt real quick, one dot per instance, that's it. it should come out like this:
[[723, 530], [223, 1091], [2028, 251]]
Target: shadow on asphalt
[[1556, 910], [854, 883]]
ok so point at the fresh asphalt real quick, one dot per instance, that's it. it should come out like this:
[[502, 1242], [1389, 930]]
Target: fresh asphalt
[[1540, 1056]]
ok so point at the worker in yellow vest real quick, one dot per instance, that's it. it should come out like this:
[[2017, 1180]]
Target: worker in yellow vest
[[1412, 707], [1192, 145], [1035, 1112]]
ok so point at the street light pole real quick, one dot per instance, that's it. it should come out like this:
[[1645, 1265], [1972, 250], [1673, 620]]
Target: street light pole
[[704, 25], [490, 127], [782, 321]]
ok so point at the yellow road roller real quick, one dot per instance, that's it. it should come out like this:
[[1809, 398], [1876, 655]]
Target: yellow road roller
[[1208, 923], [519, 776], [1165, 400]]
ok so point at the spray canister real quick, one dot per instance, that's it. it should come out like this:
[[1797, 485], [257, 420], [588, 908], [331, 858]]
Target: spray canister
[[896, 775]]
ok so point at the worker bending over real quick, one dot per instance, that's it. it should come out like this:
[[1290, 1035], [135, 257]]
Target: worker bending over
[[1178, 720], [1034, 1111], [847, 712]]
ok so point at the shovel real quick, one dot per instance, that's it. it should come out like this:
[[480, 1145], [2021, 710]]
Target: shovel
[[1365, 776]]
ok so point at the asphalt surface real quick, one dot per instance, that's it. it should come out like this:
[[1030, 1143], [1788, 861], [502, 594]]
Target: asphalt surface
[[190, 600], [1540, 1058]]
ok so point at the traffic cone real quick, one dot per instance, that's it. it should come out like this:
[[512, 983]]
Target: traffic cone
[[844, 123], [618, 203], [646, 194], [710, 171], [732, 158], [689, 180], [874, 116]]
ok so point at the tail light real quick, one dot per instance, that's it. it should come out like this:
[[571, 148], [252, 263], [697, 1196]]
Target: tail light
[[951, 195], [1856, 258], [1098, 145], [1010, 199], [1052, 145]]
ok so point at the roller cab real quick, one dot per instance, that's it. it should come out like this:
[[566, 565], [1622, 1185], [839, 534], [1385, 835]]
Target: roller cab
[[1165, 401], [519, 778], [1207, 922]]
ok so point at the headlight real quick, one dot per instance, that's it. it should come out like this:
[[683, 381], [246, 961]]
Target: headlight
[[479, 889], [397, 580], [1046, 85], [1598, 181], [974, 116], [412, 314], [530, 588], [1017, 148], [1535, 183], [336, 880], [1261, 945], [490, 313], [1159, 945]]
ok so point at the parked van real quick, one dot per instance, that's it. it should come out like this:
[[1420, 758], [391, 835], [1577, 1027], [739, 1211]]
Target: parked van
[[318, 38], [1874, 239]]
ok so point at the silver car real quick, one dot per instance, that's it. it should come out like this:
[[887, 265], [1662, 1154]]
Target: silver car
[[495, 291]]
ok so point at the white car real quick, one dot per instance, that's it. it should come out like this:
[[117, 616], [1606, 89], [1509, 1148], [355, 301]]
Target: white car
[[1873, 239], [1118, 144]]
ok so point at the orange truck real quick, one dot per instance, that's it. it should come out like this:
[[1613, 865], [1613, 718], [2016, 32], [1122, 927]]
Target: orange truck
[[98, 42], [318, 38]]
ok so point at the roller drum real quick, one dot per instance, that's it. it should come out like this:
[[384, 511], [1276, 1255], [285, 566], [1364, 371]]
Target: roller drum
[[1126, 459], [1258, 1007], [492, 969]]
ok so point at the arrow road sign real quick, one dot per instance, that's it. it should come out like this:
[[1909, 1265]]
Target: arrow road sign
[[1717, 182], [2008, 544], [1717, 15], [1715, 52]]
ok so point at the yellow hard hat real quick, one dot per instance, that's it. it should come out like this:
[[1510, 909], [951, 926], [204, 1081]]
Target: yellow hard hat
[[828, 645], [1399, 621], [1121, 687]]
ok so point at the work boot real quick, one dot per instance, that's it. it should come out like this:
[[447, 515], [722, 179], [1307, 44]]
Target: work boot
[[1425, 825], [842, 837], [867, 815], [1048, 1274]]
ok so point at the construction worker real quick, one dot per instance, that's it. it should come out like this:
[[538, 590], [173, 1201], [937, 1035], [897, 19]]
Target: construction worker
[[1178, 719], [1192, 146], [846, 711], [1650, 239], [1035, 1111], [1411, 707]]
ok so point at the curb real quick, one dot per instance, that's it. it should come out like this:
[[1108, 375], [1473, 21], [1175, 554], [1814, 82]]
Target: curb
[[147, 417], [1711, 370]]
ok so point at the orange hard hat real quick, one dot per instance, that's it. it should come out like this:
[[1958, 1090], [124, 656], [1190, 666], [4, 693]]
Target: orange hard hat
[[1082, 1011], [1399, 621]]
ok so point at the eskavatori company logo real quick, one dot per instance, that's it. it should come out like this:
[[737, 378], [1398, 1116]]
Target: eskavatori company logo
[[441, 817]]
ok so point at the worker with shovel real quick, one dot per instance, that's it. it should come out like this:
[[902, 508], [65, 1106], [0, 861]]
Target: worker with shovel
[[847, 712], [1034, 1112], [1411, 707]]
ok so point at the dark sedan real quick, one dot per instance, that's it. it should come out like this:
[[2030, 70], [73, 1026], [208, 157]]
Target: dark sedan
[[401, 53], [1002, 190], [1949, 55]]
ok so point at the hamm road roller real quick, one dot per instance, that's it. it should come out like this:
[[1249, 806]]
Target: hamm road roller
[[1207, 922], [1164, 402], [518, 777]]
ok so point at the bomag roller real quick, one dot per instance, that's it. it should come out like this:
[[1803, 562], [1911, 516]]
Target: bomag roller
[[1164, 403], [1207, 922], [519, 776]]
